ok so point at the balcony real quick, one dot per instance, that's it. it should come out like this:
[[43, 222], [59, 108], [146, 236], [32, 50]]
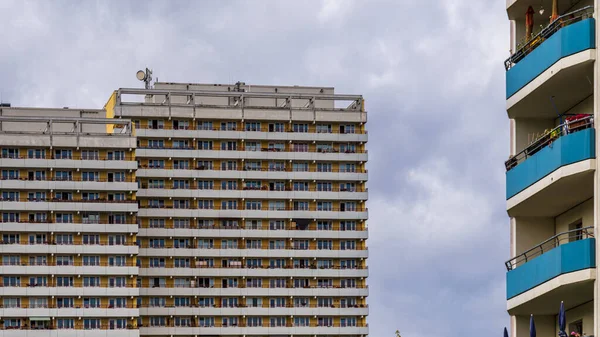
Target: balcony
[[554, 63], [561, 163], [559, 269]]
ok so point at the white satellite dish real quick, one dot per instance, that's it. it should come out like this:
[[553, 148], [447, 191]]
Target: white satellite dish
[[141, 75]]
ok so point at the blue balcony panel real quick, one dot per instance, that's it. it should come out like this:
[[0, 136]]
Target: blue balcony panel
[[567, 41], [570, 257], [565, 150]]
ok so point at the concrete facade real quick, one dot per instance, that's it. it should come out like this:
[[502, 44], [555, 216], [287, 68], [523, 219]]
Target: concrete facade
[[241, 212]]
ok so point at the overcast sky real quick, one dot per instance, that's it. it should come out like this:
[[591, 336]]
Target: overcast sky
[[432, 75]]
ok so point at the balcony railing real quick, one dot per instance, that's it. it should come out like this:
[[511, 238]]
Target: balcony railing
[[562, 21], [551, 243], [572, 125]]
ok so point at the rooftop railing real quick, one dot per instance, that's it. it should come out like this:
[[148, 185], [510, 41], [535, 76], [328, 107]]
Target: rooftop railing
[[551, 243], [572, 125], [526, 46]]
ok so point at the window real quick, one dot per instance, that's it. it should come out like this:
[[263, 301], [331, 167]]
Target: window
[[324, 128], [276, 147], [228, 145], [205, 184], [253, 244], [90, 176], [277, 321], [301, 302], [91, 260], [181, 262], [158, 321], [91, 239], [347, 245], [181, 223], [156, 143], [301, 244], [253, 283], [301, 206], [228, 126], [324, 283], [229, 185], [205, 145], [325, 264], [204, 125], [253, 205], [181, 125], [325, 321], [206, 204], [301, 263], [277, 283], [206, 322], [63, 176], [277, 166], [229, 165], [157, 262], [253, 263], [252, 146], [277, 244], [91, 281], [181, 204], [10, 174], [156, 163], [276, 127], [300, 186], [229, 204], [156, 223], [296, 127], [10, 196], [11, 281], [11, 238], [117, 323], [324, 187], [117, 282], [348, 128], [65, 323], [300, 167], [253, 166], [324, 244], [183, 321], [64, 281], [117, 261], [64, 260], [64, 302], [156, 124], [229, 244], [64, 218], [206, 302], [348, 148], [181, 164], [90, 155], [324, 206], [324, 225], [277, 302], [252, 185], [12, 153], [36, 153], [253, 321], [276, 224], [12, 302], [252, 126], [92, 302], [299, 147], [324, 302], [63, 154], [325, 148], [348, 168]]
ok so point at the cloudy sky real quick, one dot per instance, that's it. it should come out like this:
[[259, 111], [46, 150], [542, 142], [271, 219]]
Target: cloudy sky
[[432, 75]]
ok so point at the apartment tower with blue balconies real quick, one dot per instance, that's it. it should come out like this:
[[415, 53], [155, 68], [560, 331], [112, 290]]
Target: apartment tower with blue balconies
[[551, 175]]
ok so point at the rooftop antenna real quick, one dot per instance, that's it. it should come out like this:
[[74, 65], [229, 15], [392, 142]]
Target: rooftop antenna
[[145, 76]]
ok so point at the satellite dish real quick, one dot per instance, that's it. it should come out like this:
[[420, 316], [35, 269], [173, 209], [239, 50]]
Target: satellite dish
[[141, 75]]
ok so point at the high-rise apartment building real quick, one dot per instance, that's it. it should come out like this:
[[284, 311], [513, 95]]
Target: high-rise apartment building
[[552, 81], [202, 210]]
